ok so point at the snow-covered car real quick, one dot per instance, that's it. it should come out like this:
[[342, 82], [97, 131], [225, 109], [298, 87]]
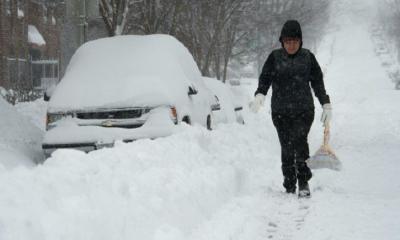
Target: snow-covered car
[[126, 88], [230, 108]]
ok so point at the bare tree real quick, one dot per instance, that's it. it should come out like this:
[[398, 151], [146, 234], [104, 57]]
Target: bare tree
[[114, 14], [216, 32], [155, 16], [268, 16], [388, 32], [2, 53], [209, 30]]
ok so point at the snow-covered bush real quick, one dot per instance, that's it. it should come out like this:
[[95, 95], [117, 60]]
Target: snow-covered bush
[[16, 96]]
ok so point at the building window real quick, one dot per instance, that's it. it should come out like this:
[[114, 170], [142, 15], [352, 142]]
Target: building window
[[20, 8], [8, 7], [20, 4], [17, 69]]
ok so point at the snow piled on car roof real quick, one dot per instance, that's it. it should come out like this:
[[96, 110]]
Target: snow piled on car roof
[[126, 70]]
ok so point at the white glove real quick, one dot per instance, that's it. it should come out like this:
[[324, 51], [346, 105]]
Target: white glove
[[257, 103], [326, 113]]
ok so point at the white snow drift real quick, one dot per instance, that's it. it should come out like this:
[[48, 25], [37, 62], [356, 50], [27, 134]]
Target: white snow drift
[[19, 138]]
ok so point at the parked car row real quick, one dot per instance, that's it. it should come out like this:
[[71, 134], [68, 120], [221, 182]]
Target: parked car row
[[127, 88]]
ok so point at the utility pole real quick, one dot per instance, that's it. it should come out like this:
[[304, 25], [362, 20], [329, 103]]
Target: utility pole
[[258, 38], [83, 24], [2, 53]]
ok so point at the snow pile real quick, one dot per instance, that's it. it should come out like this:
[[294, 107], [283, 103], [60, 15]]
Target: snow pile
[[19, 140], [35, 111], [127, 70], [34, 36], [3, 92], [149, 189]]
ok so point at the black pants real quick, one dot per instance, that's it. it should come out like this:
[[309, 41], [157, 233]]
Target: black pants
[[293, 129]]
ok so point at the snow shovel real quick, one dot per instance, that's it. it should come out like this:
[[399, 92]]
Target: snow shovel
[[324, 157]]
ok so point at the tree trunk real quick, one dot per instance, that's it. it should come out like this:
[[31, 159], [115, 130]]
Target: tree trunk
[[2, 52]]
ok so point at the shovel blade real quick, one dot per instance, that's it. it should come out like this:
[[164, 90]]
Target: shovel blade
[[324, 158]]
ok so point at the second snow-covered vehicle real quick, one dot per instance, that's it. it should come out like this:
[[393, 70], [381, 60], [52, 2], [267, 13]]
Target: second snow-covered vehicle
[[230, 107], [126, 88]]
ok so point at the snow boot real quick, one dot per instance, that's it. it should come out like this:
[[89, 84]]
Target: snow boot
[[291, 190], [290, 179], [304, 190]]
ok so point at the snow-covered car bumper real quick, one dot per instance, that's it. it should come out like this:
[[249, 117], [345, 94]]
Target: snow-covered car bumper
[[48, 149], [67, 134]]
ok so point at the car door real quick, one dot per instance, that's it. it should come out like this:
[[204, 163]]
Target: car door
[[201, 106]]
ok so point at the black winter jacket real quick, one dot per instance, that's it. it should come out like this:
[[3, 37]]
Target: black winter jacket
[[290, 77]]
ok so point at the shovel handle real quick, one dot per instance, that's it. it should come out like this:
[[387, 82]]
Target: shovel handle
[[326, 135]]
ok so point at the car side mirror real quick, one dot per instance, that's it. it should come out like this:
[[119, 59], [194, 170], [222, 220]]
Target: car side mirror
[[46, 97], [192, 91], [47, 94]]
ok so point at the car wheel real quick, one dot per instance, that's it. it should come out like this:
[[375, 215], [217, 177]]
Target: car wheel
[[209, 122], [240, 119], [186, 120]]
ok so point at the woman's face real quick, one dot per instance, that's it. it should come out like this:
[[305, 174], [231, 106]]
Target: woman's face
[[291, 45]]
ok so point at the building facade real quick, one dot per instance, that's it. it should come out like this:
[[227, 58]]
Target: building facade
[[39, 37], [29, 44]]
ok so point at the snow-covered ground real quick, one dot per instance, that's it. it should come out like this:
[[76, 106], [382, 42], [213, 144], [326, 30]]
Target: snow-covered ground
[[226, 184]]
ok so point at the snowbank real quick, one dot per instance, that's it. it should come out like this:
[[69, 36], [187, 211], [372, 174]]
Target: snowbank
[[149, 189], [20, 140], [34, 111]]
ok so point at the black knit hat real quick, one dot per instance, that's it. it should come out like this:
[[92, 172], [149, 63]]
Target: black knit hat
[[291, 29]]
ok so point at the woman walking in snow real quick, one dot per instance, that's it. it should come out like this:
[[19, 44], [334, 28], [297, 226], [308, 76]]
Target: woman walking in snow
[[290, 70]]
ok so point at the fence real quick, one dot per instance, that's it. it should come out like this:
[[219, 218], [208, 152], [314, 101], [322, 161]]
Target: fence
[[28, 79], [44, 73], [17, 72], [35, 74]]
